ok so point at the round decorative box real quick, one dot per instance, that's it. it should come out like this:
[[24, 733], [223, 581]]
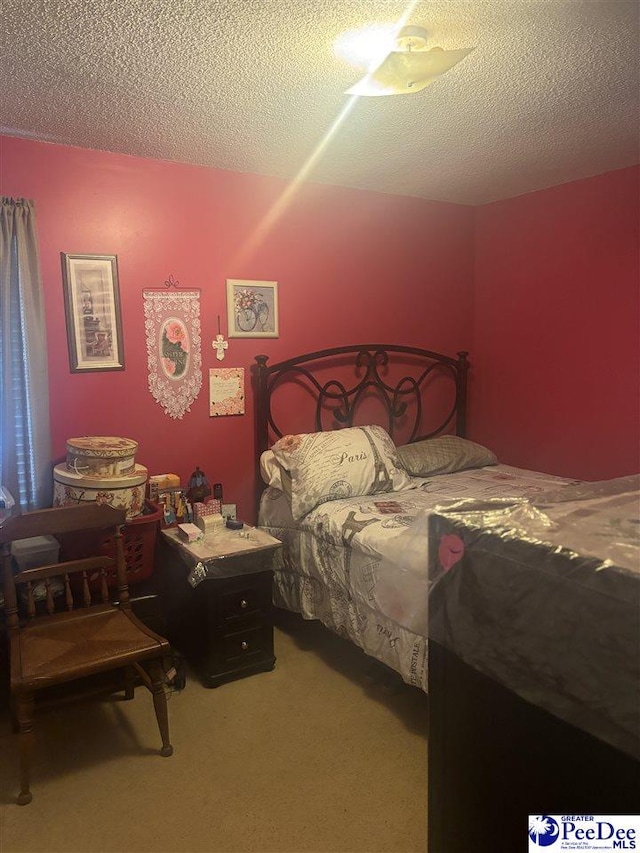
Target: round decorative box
[[124, 492], [101, 456]]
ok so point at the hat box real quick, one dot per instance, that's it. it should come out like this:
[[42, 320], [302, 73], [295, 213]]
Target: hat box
[[101, 456], [123, 492]]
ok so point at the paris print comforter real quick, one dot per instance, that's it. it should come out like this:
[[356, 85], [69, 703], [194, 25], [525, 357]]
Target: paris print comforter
[[360, 565]]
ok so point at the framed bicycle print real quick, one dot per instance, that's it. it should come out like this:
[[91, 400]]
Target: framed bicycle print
[[92, 309], [252, 308]]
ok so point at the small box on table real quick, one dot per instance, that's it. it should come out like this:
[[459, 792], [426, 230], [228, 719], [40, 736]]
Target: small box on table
[[189, 532]]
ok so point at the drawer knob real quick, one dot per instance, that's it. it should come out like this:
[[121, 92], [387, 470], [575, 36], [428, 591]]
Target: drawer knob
[[244, 603], [244, 645]]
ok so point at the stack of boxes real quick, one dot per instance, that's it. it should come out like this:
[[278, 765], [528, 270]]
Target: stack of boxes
[[208, 516], [101, 469]]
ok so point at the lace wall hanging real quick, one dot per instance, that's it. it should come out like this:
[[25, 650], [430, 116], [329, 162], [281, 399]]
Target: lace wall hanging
[[172, 324]]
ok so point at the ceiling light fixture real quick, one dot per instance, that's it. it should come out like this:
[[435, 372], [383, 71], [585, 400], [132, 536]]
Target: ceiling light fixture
[[410, 68]]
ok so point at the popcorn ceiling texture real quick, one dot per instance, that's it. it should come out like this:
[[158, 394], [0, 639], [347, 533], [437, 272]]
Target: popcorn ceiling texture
[[549, 95]]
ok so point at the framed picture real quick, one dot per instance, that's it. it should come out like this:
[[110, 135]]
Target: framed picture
[[252, 308], [92, 308], [229, 511], [226, 391]]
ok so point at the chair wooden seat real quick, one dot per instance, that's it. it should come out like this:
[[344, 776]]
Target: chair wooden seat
[[67, 636], [58, 648]]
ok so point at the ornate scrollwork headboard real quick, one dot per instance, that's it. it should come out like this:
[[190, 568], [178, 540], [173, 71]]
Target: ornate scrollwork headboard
[[417, 393]]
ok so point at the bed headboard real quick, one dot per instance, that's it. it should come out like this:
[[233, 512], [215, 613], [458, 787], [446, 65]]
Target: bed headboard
[[415, 393]]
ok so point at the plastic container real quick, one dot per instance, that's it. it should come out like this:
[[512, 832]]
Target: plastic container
[[139, 540], [35, 552], [139, 537]]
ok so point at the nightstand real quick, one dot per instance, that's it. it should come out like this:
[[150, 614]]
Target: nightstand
[[217, 601]]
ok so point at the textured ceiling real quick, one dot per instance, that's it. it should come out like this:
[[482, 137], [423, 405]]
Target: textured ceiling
[[549, 95]]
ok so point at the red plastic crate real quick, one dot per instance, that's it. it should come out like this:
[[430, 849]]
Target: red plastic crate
[[139, 542], [139, 537]]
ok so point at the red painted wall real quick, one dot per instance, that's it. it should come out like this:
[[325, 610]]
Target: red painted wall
[[351, 266], [555, 383]]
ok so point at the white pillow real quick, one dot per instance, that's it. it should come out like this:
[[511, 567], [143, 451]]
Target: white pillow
[[270, 470], [327, 466]]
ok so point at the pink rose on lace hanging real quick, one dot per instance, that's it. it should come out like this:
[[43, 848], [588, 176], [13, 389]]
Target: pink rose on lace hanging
[[176, 334]]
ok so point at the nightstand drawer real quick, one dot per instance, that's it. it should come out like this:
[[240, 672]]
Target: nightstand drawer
[[246, 643], [242, 602]]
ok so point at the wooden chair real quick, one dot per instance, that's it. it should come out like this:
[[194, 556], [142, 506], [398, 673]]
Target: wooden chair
[[53, 641]]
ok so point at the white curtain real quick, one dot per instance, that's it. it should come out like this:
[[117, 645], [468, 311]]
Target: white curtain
[[25, 436]]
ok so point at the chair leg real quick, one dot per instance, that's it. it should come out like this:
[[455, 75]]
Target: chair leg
[[24, 711], [160, 706], [14, 714], [129, 682]]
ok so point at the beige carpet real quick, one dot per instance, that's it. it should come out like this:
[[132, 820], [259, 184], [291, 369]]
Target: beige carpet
[[315, 756]]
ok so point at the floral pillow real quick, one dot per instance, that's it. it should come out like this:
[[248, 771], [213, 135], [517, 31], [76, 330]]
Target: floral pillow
[[444, 455], [326, 466]]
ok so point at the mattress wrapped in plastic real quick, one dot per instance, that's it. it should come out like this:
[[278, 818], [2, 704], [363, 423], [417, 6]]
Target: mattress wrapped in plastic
[[543, 596]]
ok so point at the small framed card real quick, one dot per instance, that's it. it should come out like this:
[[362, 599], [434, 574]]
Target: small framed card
[[226, 391], [229, 511]]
